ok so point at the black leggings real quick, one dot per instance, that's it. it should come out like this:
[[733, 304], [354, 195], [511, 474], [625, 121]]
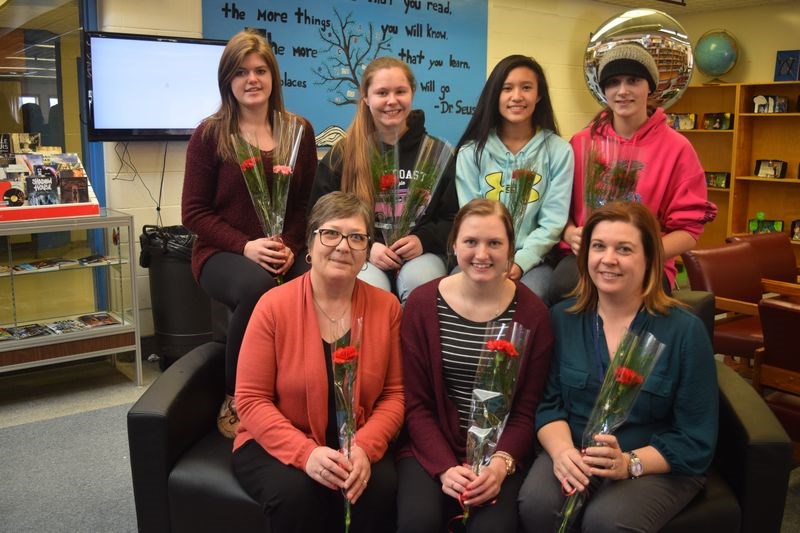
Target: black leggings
[[238, 282], [293, 502], [422, 507]]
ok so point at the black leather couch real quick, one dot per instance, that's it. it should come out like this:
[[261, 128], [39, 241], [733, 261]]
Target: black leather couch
[[183, 479]]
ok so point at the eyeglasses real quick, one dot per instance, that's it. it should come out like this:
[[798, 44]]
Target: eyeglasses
[[332, 238]]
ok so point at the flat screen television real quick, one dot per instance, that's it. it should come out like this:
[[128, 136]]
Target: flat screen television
[[141, 87]]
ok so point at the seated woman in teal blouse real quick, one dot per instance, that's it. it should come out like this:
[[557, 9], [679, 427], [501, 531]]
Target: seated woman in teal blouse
[[655, 463]]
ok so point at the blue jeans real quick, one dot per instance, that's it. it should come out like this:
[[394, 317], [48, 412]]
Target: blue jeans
[[411, 275]]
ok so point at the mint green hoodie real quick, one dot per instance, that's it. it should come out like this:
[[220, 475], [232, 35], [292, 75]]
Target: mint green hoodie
[[550, 157]]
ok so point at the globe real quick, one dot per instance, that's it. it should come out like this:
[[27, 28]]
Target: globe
[[716, 52]]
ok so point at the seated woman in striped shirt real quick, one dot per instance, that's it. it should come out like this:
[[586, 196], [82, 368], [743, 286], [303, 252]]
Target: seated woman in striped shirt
[[439, 364]]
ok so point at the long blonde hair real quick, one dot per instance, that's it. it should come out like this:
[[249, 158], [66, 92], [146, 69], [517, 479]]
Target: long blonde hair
[[225, 121], [354, 151]]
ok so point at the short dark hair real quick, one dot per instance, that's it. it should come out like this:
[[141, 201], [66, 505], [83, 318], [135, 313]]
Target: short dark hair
[[335, 205]]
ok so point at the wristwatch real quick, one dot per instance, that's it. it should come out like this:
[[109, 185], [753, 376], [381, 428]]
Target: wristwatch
[[635, 467], [511, 465]]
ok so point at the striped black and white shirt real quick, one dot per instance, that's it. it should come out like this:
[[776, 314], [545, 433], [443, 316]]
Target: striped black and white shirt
[[462, 342]]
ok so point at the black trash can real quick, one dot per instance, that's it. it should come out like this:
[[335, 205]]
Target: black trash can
[[181, 309]]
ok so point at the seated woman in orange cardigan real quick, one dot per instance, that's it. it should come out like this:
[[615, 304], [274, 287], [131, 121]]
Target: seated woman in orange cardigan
[[286, 451]]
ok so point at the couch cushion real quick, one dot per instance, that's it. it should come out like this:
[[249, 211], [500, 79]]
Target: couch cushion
[[204, 492], [715, 508]]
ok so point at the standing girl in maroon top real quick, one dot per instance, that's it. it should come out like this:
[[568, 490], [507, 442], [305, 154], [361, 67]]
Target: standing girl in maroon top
[[234, 262]]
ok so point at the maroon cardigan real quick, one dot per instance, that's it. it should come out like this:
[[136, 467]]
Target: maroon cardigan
[[217, 207], [432, 432]]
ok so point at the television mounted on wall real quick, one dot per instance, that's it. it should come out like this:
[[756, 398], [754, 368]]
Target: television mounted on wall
[[144, 87]]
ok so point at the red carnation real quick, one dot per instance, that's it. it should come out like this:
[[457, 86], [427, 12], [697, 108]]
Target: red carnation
[[502, 346], [344, 355], [247, 164], [628, 377], [387, 181]]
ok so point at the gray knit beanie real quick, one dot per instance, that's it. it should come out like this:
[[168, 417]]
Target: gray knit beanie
[[628, 59]]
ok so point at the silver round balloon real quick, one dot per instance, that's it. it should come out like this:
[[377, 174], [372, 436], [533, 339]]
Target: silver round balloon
[[664, 38]]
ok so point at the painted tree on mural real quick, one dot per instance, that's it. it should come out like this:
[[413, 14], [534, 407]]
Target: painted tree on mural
[[349, 48]]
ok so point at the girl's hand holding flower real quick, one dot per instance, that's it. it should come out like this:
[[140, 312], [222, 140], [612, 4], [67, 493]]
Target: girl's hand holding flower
[[487, 485], [407, 247], [384, 257], [455, 480]]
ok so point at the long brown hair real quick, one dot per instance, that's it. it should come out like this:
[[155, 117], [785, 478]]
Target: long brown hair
[[225, 121], [354, 151], [639, 216]]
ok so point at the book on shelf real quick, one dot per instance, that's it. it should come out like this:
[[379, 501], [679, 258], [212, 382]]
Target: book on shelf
[[5, 335], [98, 319], [41, 265], [54, 263], [24, 267], [28, 330], [74, 189], [66, 326], [93, 259], [22, 143]]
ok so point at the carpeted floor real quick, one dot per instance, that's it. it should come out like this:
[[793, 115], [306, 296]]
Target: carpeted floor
[[68, 474]]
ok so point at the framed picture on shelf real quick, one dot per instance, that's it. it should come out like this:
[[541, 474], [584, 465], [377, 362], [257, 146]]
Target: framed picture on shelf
[[717, 121], [681, 121], [787, 65], [770, 168], [760, 225], [718, 180], [763, 103], [795, 230]]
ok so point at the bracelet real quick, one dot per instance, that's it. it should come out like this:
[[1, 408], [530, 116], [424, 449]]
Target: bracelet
[[511, 464]]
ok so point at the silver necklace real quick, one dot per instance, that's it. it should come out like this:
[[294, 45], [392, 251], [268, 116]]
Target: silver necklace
[[331, 320]]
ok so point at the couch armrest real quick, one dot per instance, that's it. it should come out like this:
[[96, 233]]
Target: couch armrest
[[702, 304], [754, 453], [173, 413]]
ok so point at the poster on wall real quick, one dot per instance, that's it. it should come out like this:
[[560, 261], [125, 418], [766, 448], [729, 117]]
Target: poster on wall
[[323, 46]]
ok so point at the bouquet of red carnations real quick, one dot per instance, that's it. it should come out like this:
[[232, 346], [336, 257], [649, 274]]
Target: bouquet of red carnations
[[611, 170], [633, 361], [400, 202], [269, 195]]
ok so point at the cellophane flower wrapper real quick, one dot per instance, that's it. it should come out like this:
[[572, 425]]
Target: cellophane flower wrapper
[[384, 166], [633, 362], [287, 131], [493, 393], [432, 159], [248, 155], [345, 352], [611, 171], [523, 178]]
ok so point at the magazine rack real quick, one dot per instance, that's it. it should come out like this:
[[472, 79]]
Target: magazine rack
[[68, 291]]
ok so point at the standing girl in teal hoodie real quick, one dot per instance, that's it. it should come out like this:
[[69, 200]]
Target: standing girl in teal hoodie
[[514, 127]]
